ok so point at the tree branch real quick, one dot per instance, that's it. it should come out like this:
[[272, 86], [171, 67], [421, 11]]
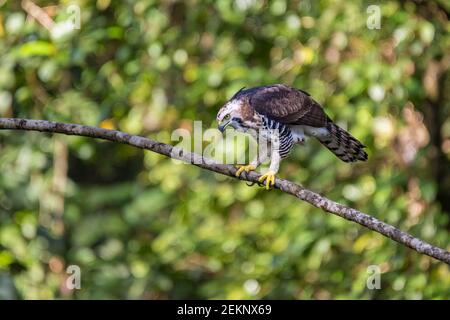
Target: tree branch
[[284, 185]]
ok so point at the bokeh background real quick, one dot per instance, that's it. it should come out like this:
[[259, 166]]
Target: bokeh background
[[141, 227]]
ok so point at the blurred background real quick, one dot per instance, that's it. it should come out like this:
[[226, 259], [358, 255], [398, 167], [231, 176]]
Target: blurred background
[[141, 227]]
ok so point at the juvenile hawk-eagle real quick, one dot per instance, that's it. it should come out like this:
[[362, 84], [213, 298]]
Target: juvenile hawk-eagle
[[287, 116]]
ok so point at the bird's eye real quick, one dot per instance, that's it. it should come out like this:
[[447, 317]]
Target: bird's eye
[[227, 117]]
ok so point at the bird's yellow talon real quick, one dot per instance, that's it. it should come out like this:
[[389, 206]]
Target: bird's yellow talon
[[269, 177], [244, 168]]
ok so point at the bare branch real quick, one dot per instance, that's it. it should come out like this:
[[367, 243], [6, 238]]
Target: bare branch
[[284, 185]]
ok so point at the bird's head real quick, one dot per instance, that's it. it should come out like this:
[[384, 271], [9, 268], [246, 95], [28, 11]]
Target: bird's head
[[236, 113], [230, 115]]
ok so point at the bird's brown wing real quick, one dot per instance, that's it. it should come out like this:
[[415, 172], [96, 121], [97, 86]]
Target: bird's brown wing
[[288, 105], [315, 117]]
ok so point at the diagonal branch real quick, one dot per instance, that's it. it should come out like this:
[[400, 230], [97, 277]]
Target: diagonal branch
[[284, 185]]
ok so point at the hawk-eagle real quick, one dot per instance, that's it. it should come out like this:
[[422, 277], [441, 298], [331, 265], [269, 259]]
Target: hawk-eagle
[[293, 115]]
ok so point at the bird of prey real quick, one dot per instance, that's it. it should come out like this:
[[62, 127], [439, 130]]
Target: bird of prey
[[293, 115]]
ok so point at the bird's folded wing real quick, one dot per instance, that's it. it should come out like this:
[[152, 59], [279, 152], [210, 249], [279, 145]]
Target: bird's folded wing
[[288, 106]]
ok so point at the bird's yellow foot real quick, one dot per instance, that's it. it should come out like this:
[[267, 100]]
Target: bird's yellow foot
[[244, 168], [269, 177]]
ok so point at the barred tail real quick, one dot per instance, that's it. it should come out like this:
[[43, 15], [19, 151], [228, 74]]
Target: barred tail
[[343, 144]]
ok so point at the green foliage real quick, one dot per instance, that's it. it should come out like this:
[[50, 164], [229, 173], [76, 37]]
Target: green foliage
[[141, 226]]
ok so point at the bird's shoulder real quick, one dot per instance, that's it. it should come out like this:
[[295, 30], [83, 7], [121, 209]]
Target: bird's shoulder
[[282, 103], [274, 91]]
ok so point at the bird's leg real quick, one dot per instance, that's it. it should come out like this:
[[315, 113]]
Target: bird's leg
[[259, 158], [252, 166], [247, 168], [269, 176]]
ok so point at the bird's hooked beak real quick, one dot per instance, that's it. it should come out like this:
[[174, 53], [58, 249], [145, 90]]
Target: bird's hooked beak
[[222, 126]]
